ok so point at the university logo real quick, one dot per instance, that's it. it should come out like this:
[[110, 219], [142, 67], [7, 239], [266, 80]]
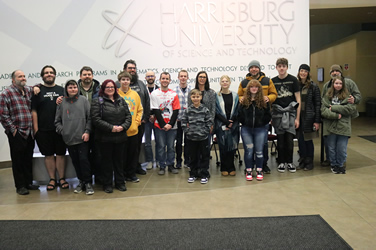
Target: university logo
[[125, 31]]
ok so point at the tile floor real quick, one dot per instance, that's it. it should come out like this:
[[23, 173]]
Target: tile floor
[[346, 202]]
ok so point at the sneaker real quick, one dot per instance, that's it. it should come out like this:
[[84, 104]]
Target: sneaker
[[89, 189], [80, 187], [204, 180], [342, 170], [266, 169], [134, 179], [191, 179], [172, 169], [161, 171], [260, 176], [121, 187], [248, 175], [149, 165], [108, 189], [140, 171], [281, 167], [335, 170], [291, 167]]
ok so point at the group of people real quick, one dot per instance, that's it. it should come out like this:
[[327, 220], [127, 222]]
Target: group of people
[[102, 125]]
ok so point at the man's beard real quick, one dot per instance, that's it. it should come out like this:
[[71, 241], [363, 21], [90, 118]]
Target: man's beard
[[20, 83], [87, 81], [339, 74], [48, 82], [150, 82], [134, 78]]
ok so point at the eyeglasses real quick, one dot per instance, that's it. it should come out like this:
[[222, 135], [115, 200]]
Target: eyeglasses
[[131, 68], [202, 77], [110, 87], [150, 76]]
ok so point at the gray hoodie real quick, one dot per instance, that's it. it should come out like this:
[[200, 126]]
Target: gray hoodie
[[72, 119]]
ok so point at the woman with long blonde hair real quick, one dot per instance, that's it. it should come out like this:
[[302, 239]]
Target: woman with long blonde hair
[[254, 114]]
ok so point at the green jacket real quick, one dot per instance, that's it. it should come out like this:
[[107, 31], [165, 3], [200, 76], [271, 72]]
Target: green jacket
[[331, 123]]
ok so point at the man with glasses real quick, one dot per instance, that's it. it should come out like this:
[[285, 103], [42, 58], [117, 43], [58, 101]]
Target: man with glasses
[[149, 124]]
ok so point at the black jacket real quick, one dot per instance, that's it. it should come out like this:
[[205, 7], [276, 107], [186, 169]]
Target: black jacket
[[254, 117], [105, 114], [312, 113]]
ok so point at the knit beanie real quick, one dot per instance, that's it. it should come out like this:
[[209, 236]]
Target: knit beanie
[[254, 63], [305, 67], [335, 67]]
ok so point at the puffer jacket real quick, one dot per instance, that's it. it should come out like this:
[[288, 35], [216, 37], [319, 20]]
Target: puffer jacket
[[312, 112], [268, 88], [108, 114], [331, 123]]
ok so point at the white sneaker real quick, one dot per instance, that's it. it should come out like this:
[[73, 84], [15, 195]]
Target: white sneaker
[[291, 167], [149, 165], [191, 179], [204, 180], [281, 167]]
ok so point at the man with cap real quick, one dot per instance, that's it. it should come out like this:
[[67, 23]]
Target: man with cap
[[270, 95], [354, 98]]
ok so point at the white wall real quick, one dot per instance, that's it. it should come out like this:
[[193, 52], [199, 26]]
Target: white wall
[[221, 37]]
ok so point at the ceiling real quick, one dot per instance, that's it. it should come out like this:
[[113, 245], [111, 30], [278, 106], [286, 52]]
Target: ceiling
[[358, 15]]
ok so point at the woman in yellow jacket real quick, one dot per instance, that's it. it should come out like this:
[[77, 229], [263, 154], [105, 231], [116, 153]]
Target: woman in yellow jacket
[[131, 152]]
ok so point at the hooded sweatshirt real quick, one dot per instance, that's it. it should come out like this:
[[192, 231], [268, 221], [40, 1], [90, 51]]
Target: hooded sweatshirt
[[72, 119]]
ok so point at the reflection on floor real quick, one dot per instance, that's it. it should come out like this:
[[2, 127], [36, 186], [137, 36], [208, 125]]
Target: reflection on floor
[[346, 202]]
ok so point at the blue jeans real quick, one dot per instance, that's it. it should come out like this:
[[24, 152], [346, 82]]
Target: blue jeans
[[253, 142], [337, 146], [149, 127], [266, 146], [165, 142]]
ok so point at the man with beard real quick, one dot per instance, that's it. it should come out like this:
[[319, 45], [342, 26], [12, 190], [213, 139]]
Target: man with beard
[[270, 95], [16, 118], [149, 124], [355, 95], [89, 87], [49, 142], [137, 85]]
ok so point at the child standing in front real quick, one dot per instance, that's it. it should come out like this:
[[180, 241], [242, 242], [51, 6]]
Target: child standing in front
[[196, 123], [337, 113]]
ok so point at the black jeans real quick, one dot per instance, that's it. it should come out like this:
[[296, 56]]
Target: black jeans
[[79, 154], [285, 144], [130, 156], [199, 154], [21, 153]]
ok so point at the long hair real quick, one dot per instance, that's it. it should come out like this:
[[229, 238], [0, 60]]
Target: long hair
[[224, 77], [207, 86], [308, 80], [259, 97], [103, 87], [342, 94]]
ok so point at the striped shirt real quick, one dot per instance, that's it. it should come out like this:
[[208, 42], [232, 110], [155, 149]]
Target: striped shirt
[[15, 110]]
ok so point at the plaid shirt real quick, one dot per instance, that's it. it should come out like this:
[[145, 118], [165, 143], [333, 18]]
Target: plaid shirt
[[183, 99], [15, 110]]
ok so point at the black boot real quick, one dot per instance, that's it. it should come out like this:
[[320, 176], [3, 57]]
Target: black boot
[[301, 163], [308, 163]]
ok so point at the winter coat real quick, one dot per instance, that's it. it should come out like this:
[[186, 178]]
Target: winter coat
[[268, 88], [312, 113], [105, 114], [254, 117], [331, 123]]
